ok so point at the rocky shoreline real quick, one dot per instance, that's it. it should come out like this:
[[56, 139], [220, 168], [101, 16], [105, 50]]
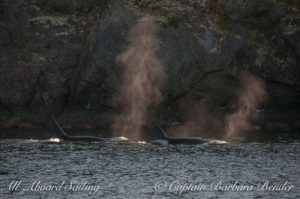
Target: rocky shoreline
[[65, 52]]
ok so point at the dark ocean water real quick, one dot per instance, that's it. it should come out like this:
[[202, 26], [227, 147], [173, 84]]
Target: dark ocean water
[[264, 165]]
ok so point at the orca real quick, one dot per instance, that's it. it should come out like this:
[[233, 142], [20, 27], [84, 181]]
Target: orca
[[163, 139], [58, 132]]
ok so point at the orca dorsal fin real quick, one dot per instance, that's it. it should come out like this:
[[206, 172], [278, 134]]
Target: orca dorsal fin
[[56, 130], [162, 134]]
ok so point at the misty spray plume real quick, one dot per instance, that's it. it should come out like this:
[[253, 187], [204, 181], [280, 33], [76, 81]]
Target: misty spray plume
[[250, 95], [141, 81]]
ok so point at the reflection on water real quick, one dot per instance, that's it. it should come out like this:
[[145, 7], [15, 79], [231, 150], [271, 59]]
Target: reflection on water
[[121, 168]]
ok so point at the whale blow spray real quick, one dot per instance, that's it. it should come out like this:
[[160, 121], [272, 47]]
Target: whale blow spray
[[250, 95], [142, 78]]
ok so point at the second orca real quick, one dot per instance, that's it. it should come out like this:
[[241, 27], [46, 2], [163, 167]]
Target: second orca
[[164, 139], [58, 132]]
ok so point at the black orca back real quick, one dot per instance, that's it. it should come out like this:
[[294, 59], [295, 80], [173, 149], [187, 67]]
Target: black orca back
[[187, 141]]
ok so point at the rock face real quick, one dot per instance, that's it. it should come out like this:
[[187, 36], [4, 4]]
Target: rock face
[[59, 56]]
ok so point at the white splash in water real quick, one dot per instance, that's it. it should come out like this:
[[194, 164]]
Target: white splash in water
[[121, 138], [217, 142], [54, 140], [141, 142]]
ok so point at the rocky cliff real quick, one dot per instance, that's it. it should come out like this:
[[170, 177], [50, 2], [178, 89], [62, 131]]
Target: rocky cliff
[[59, 56]]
